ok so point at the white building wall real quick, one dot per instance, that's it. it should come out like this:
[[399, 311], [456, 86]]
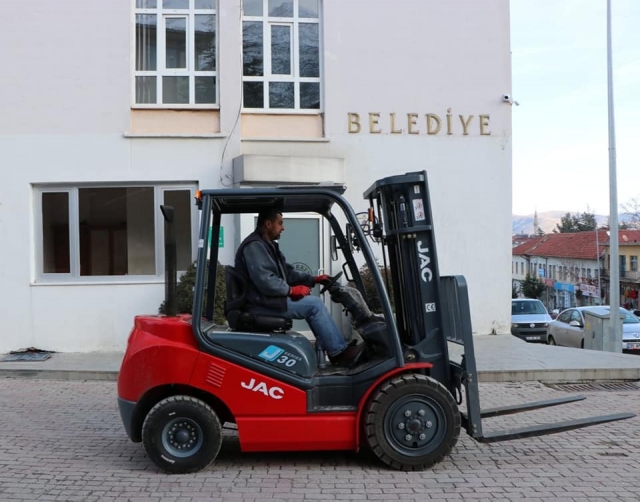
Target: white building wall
[[65, 100]]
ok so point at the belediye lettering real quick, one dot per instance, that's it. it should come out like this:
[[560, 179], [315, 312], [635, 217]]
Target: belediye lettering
[[430, 124]]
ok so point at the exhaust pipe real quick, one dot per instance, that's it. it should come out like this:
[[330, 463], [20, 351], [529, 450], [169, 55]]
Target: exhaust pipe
[[170, 262]]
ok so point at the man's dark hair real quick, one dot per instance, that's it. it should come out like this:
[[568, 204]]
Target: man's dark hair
[[270, 214]]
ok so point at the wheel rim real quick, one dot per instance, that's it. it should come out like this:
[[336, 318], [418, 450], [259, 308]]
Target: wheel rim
[[182, 437], [415, 425]]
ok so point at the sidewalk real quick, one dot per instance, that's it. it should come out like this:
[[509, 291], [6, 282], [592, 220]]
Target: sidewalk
[[500, 358]]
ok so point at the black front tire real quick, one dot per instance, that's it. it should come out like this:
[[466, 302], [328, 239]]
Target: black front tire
[[551, 340], [182, 434], [411, 422]]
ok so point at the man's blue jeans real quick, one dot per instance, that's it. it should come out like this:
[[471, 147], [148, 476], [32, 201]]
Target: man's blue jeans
[[316, 314]]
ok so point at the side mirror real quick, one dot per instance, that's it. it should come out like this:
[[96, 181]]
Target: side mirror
[[351, 238], [333, 248], [575, 324]]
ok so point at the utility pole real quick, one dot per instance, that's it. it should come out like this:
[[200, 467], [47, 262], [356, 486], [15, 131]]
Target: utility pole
[[598, 265], [614, 273]]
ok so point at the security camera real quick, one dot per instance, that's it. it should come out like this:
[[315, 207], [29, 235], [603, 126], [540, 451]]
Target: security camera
[[506, 98]]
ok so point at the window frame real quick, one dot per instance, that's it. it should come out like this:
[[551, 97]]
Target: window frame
[[267, 77], [161, 70], [39, 277]]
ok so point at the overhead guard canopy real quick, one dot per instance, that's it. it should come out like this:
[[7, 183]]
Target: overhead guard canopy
[[289, 199]]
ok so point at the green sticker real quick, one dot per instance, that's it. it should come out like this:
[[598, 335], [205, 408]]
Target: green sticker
[[220, 237]]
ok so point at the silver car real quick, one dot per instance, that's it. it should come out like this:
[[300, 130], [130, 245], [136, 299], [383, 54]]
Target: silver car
[[568, 329]]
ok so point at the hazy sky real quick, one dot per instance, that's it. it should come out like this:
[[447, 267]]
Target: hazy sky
[[560, 135]]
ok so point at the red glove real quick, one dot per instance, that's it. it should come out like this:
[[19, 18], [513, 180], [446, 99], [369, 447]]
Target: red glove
[[298, 292], [323, 279]]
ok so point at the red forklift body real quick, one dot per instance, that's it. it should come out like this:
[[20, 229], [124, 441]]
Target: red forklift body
[[184, 377]]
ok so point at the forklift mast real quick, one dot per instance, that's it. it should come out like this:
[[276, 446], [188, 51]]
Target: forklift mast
[[432, 311], [403, 220]]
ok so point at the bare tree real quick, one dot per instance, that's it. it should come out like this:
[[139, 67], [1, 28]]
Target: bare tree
[[572, 270], [631, 209]]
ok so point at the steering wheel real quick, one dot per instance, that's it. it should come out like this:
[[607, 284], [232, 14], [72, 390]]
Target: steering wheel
[[334, 280]]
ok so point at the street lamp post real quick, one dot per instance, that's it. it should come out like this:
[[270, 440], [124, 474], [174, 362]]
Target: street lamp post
[[614, 273], [598, 266]]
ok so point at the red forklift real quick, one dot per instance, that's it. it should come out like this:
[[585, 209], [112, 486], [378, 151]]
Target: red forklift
[[184, 376]]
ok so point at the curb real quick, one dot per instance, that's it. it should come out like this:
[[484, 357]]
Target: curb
[[70, 375]]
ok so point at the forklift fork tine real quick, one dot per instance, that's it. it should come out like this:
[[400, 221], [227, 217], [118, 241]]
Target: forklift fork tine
[[552, 428], [536, 405]]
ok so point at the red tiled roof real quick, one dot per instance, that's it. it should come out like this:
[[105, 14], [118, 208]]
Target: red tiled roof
[[579, 245]]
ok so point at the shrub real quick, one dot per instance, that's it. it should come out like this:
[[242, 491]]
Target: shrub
[[184, 293]]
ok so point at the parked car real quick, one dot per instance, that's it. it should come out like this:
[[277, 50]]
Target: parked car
[[529, 320], [568, 329]]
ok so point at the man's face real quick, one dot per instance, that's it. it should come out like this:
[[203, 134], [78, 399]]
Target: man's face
[[274, 228]]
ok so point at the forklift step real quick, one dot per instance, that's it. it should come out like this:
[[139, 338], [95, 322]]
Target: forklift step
[[536, 405], [544, 429]]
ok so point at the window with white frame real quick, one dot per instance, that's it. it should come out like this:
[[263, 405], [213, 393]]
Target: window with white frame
[[107, 231], [281, 54], [175, 58]]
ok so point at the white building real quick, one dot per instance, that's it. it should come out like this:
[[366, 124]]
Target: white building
[[108, 109]]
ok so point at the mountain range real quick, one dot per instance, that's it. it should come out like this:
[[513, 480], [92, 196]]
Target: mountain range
[[547, 221]]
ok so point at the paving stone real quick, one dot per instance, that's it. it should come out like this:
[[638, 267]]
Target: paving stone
[[66, 443]]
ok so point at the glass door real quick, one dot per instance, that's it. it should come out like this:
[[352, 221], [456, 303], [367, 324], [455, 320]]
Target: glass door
[[302, 244]]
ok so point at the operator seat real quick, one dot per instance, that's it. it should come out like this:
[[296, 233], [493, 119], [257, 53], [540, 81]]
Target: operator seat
[[238, 319]]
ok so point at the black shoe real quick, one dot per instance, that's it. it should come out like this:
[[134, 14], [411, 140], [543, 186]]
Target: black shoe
[[349, 357]]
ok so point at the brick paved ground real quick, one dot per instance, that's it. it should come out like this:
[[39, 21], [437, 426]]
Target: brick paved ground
[[63, 441]]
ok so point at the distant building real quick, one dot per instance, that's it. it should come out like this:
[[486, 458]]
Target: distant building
[[568, 264]]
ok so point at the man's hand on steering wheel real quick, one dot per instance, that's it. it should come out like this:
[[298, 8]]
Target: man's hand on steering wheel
[[327, 281], [323, 279]]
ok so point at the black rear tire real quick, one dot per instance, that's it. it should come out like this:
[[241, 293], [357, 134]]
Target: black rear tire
[[182, 434], [411, 422]]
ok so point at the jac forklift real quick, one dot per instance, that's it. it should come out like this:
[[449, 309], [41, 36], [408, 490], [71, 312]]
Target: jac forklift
[[183, 376]]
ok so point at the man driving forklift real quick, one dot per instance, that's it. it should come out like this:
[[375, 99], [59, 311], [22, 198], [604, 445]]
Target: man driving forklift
[[275, 287]]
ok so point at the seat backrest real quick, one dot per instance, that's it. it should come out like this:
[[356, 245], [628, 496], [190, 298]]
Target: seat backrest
[[236, 290], [237, 299]]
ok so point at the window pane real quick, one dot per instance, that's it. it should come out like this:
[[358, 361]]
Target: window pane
[[181, 202], [309, 50], [55, 233], [205, 90], [252, 7], [117, 231], [253, 93], [175, 90], [252, 56], [176, 42], [146, 4], [175, 4], [310, 95], [281, 95], [308, 8], [146, 90], [205, 4], [205, 42], [281, 8], [280, 50], [146, 31]]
